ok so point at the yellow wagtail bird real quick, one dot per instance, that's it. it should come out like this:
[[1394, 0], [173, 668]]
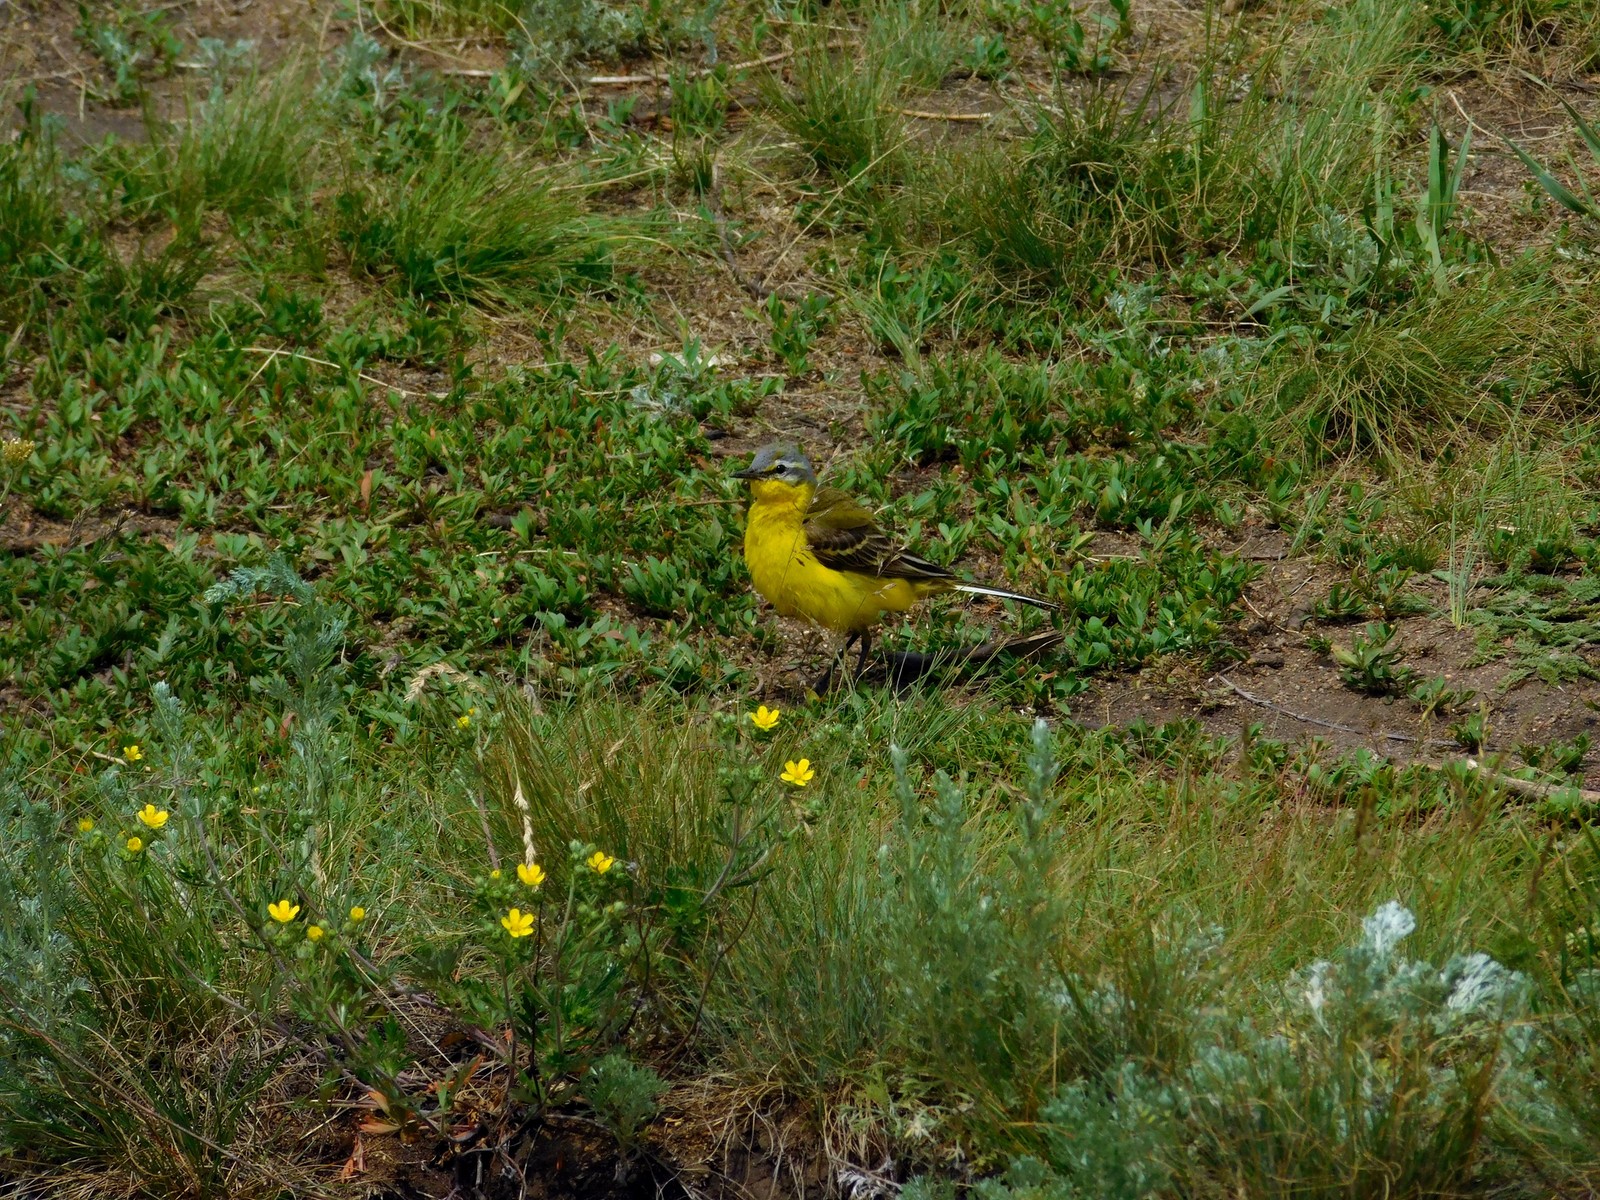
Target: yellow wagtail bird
[[815, 553]]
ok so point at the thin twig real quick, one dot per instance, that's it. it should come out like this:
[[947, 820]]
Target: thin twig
[[617, 80], [1384, 734], [322, 362], [925, 115], [764, 61], [757, 289], [1528, 787], [488, 835], [1278, 625]]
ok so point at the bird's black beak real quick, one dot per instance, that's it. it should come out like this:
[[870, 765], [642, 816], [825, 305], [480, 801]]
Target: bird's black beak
[[748, 473]]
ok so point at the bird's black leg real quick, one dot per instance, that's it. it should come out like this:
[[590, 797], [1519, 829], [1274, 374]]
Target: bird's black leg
[[821, 686], [866, 645]]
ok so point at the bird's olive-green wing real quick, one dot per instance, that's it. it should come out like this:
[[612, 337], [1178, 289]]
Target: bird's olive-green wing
[[844, 536]]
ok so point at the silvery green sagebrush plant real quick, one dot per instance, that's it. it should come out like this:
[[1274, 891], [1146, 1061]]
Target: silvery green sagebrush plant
[[1379, 1079], [974, 963]]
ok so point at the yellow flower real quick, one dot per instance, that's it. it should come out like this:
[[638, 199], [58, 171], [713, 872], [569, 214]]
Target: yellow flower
[[15, 451], [132, 753], [358, 913], [600, 861], [283, 912], [313, 933], [764, 718], [464, 720], [85, 825], [153, 817], [517, 923], [135, 844], [531, 874], [495, 874], [798, 773]]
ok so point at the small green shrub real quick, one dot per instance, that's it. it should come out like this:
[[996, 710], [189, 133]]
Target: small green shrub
[[554, 33], [623, 1095], [795, 327], [1556, 757], [1436, 696], [978, 408], [1471, 731], [1371, 663]]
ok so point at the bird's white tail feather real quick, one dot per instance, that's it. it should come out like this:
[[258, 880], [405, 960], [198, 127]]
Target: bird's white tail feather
[[977, 589]]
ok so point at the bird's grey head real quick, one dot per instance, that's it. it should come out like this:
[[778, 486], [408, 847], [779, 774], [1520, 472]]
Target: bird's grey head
[[779, 460]]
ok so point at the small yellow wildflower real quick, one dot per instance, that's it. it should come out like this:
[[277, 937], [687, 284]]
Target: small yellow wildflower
[[358, 913], [600, 862], [765, 718], [798, 773], [135, 844], [132, 753], [15, 451], [153, 817], [313, 933], [283, 912], [85, 825], [464, 720], [531, 874], [495, 874], [517, 923]]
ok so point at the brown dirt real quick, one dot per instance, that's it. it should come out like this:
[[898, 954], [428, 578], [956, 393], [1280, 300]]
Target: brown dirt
[[38, 46], [1503, 207], [1295, 695]]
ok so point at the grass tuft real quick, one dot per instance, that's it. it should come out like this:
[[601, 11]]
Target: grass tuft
[[837, 107], [1418, 375], [243, 152], [466, 222]]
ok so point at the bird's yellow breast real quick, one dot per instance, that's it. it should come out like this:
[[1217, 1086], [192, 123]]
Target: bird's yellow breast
[[785, 571]]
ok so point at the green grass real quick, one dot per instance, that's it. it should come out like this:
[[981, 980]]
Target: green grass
[[1149, 169], [240, 153], [888, 945], [427, 16], [839, 110], [467, 222], [1416, 375], [367, 429]]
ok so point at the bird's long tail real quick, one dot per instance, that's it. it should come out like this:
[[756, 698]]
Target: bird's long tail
[[978, 589]]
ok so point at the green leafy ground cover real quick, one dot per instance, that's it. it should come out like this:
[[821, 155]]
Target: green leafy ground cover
[[385, 812]]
